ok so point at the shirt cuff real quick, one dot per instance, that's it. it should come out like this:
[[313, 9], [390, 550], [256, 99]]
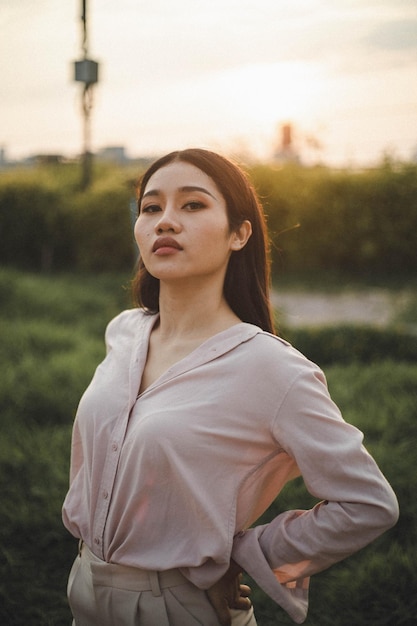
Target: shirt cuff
[[291, 596]]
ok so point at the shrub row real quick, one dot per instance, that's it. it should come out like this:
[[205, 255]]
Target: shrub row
[[350, 221], [344, 344], [317, 218], [46, 226]]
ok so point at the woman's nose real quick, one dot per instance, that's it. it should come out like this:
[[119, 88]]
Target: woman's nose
[[168, 221]]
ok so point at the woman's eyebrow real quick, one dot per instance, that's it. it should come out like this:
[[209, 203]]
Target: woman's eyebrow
[[195, 188], [151, 192], [186, 188]]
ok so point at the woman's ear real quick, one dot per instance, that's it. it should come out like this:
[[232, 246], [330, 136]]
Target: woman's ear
[[241, 235]]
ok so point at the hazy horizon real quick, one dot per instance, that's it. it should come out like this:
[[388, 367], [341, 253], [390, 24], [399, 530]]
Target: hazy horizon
[[224, 75]]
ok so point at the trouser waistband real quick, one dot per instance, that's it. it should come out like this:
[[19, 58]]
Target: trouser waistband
[[130, 578]]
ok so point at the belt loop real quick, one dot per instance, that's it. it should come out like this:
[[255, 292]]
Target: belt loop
[[154, 581]]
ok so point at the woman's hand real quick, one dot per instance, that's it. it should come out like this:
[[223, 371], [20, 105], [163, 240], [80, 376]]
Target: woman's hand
[[228, 593]]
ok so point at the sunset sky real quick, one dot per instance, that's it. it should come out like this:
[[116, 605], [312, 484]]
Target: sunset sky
[[222, 74]]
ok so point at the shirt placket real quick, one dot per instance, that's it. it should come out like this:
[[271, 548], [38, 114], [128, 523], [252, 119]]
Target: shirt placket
[[114, 448], [107, 483]]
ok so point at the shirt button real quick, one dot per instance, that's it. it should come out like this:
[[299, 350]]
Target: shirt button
[[114, 447], [97, 541], [105, 494]]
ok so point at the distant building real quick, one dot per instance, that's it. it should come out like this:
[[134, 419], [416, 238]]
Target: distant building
[[47, 159], [112, 154], [285, 151], [30, 161]]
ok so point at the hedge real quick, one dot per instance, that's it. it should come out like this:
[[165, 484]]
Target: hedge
[[318, 218]]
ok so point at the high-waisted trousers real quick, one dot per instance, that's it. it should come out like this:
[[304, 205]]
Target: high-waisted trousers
[[106, 594]]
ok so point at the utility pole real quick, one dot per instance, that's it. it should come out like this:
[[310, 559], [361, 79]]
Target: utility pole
[[86, 72]]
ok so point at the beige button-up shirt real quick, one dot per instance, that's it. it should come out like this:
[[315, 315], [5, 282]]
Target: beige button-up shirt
[[176, 476]]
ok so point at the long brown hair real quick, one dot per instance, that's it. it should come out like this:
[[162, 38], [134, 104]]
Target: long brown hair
[[247, 280]]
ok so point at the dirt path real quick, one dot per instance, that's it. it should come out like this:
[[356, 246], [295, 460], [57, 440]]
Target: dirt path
[[375, 306]]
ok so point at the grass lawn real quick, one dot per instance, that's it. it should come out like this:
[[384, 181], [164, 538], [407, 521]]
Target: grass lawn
[[51, 339]]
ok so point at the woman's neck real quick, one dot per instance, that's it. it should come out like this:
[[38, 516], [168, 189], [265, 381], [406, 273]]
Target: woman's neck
[[191, 314]]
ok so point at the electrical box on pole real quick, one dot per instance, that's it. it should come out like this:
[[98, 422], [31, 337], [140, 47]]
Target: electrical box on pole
[[86, 72]]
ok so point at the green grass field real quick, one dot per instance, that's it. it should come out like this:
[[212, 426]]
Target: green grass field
[[51, 339]]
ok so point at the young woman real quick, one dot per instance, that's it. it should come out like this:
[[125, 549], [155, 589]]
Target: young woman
[[197, 418]]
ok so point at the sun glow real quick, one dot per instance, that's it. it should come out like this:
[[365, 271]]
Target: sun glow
[[270, 92], [234, 106]]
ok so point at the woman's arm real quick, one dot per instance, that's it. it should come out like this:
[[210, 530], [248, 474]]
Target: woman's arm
[[357, 503]]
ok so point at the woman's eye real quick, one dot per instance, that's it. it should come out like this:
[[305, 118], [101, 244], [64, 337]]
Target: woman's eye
[[150, 208], [194, 206]]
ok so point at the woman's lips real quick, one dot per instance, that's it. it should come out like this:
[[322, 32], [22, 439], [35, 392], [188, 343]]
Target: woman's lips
[[165, 245]]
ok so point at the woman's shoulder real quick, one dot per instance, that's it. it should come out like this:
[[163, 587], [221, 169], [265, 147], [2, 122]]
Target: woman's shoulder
[[273, 345], [127, 315], [129, 322], [274, 351]]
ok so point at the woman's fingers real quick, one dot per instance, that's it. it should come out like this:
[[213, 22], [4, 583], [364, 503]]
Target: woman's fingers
[[245, 590], [242, 600]]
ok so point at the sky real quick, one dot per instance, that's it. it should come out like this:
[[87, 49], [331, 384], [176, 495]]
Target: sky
[[220, 74]]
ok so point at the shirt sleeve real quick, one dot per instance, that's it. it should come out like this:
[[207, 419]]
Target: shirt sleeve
[[357, 503]]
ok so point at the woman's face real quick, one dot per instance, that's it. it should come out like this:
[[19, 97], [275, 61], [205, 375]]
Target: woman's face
[[182, 230]]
